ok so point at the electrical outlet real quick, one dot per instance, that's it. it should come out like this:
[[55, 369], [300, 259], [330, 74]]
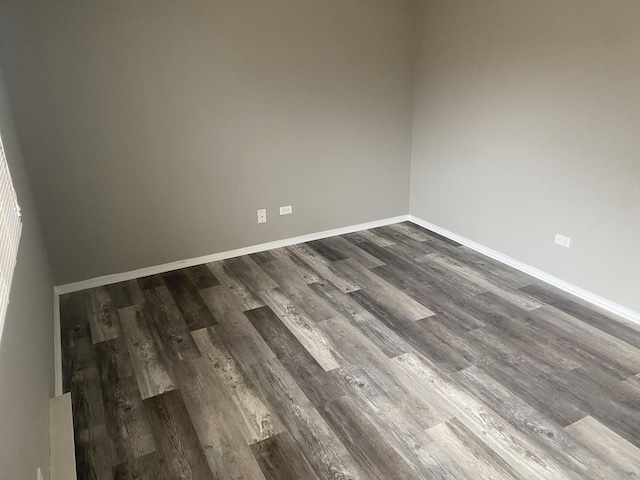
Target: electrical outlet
[[562, 240], [286, 210], [262, 215]]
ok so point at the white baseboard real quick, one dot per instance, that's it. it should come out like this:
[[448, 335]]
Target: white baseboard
[[579, 292], [167, 267], [214, 257]]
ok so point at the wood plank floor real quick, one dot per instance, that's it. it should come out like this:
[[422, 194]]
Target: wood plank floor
[[392, 353]]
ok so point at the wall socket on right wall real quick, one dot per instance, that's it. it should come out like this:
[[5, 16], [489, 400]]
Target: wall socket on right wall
[[562, 240]]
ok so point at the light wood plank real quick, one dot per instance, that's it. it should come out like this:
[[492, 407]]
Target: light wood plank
[[383, 292], [180, 453], [607, 444], [103, 316], [258, 421], [324, 452], [323, 268], [149, 361], [245, 298], [234, 329], [303, 328], [216, 418]]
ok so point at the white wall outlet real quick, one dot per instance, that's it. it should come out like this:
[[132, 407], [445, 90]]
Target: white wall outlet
[[40, 477], [286, 210], [262, 215], [562, 240]]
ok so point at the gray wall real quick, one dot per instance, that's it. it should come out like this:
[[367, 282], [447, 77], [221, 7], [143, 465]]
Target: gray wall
[[154, 130], [526, 124], [26, 344]]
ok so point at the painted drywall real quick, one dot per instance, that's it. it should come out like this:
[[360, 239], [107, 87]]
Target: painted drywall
[[154, 130], [526, 124], [26, 344]]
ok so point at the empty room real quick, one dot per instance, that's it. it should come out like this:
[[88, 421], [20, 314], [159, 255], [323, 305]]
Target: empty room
[[319, 239]]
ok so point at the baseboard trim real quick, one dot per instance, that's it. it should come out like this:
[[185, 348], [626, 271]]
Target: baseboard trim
[[214, 257], [190, 262], [579, 292]]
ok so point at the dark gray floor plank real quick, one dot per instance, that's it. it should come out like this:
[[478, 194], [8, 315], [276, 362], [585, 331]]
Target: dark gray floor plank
[[527, 457], [216, 419], [202, 276], [375, 330], [316, 384], [150, 363], [590, 339], [402, 431], [322, 267], [443, 300], [436, 339], [488, 283], [296, 265], [325, 453], [442, 275], [418, 232], [81, 377], [517, 325], [615, 404], [384, 295], [608, 445], [125, 418], [245, 298], [94, 453], [568, 452], [352, 251], [256, 418], [303, 328], [250, 274], [125, 294], [73, 309], [152, 281], [141, 468], [103, 316], [526, 378], [180, 453], [167, 323], [368, 235], [184, 292], [296, 288], [262, 257], [324, 248], [235, 331], [471, 453], [580, 310], [365, 442], [281, 459], [359, 353], [492, 268]]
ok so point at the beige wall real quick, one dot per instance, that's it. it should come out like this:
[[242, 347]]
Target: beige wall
[[26, 344], [154, 130], [526, 124]]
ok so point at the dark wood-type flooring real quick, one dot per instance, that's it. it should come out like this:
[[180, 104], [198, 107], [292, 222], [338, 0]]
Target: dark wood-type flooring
[[392, 353]]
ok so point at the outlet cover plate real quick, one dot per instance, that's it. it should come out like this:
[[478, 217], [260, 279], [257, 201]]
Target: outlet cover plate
[[563, 241], [286, 210], [262, 215]]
